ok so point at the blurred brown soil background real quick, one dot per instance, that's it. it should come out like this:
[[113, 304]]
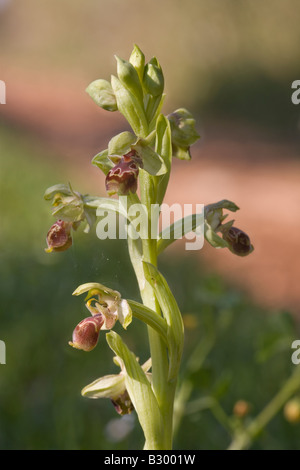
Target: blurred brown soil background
[[251, 167]]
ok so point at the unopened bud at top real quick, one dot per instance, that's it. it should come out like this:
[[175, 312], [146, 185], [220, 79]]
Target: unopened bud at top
[[129, 77], [153, 81], [137, 59]]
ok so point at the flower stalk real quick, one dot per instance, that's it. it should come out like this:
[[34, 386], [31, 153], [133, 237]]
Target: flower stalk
[[137, 165]]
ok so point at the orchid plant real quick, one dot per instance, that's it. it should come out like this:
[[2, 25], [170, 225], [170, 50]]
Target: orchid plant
[[137, 166]]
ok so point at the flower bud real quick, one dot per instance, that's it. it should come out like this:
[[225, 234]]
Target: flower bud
[[292, 411], [238, 241], [123, 405], [129, 77], [183, 129], [241, 408], [86, 334], [58, 237], [153, 81], [137, 59], [122, 178]]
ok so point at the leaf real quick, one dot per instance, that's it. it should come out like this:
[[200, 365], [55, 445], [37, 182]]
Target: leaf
[[171, 314], [140, 392]]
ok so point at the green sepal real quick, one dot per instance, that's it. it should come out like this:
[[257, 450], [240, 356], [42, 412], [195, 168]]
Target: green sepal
[[223, 204], [213, 238], [63, 189], [121, 143], [102, 94], [73, 212], [153, 163], [109, 386], [67, 204], [102, 161], [130, 107], [172, 315], [140, 392], [92, 287]]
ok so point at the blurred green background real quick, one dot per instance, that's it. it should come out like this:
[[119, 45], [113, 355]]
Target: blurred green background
[[230, 60]]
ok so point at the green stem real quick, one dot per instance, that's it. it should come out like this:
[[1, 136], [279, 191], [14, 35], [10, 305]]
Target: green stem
[[163, 390], [245, 438]]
